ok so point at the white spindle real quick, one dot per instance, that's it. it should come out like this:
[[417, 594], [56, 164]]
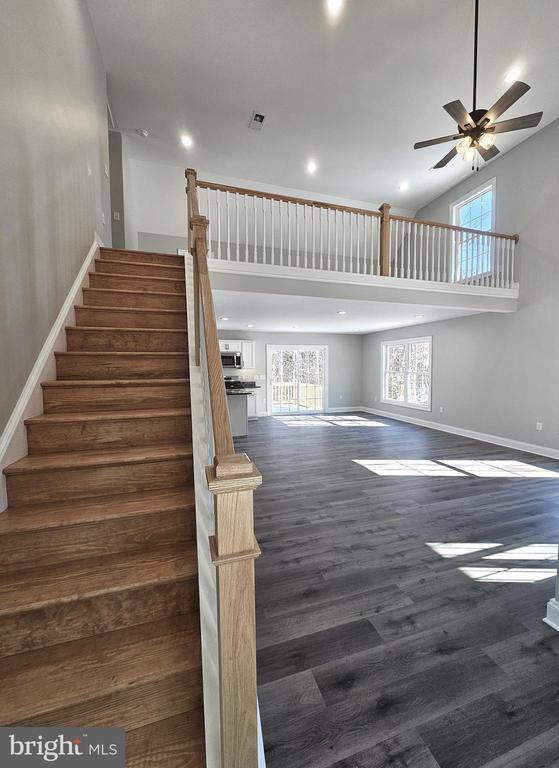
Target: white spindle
[[228, 227], [255, 212], [237, 222], [289, 235], [357, 263], [281, 231], [512, 250], [439, 254], [246, 199], [297, 232], [264, 258], [336, 265], [272, 206], [218, 203], [209, 215], [343, 241], [371, 269]]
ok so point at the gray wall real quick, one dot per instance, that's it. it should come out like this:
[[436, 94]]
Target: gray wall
[[53, 124], [499, 374], [117, 191], [344, 363]]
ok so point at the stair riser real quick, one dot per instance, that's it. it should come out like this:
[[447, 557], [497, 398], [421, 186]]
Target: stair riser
[[132, 707], [166, 259], [86, 482], [105, 398], [104, 340], [143, 300], [116, 433], [64, 622], [113, 367], [142, 270], [113, 318], [134, 283], [95, 539]]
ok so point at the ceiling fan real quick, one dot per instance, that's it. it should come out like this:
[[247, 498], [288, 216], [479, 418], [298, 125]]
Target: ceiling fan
[[477, 129]]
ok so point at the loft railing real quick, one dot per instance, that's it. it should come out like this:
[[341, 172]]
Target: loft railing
[[231, 479], [259, 228]]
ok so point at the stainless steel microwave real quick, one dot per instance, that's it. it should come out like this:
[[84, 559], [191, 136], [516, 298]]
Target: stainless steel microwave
[[231, 360]]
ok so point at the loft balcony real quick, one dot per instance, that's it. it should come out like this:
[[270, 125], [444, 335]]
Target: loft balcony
[[278, 244]]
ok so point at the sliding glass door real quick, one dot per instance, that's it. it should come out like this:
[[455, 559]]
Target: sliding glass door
[[296, 378]]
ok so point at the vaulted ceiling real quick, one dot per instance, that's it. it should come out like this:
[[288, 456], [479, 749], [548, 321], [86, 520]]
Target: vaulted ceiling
[[354, 95]]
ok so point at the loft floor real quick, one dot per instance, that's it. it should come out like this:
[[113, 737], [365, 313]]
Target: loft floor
[[384, 640]]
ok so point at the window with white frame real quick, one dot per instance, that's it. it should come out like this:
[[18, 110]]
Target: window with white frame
[[406, 372], [474, 254]]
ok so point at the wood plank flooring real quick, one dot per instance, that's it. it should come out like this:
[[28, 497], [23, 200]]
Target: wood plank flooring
[[376, 651]]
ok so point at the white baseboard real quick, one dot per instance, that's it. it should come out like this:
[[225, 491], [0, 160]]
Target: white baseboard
[[13, 441], [344, 409], [552, 617], [506, 442]]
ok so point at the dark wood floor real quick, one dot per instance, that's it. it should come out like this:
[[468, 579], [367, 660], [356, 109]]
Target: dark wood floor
[[374, 650]]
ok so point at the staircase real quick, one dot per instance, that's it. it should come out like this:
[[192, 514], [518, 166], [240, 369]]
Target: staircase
[[98, 589]]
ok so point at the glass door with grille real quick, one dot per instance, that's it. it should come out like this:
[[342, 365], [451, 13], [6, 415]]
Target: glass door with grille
[[296, 378]]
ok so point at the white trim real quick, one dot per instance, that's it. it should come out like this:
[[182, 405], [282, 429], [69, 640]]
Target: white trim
[[517, 445], [552, 615], [13, 441], [324, 276], [298, 347], [407, 342]]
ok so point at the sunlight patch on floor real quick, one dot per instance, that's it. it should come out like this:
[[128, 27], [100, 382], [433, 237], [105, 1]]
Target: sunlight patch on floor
[[407, 468], [328, 421], [528, 552], [511, 575], [458, 548], [496, 468]]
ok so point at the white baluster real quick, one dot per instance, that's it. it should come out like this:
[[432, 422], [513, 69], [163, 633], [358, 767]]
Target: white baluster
[[297, 232], [264, 257], [237, 222], [218, 203], [512, 254], [245, 200], [228, 227], [335, 261], [289, 234], [358, 262], [343, 241], [272, 206], [439, 232], [281, 231], [209, 215], [255, 211]]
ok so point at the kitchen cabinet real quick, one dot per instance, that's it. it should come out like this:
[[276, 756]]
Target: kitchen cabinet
[[246, 348], [251, 406], [248, 351]]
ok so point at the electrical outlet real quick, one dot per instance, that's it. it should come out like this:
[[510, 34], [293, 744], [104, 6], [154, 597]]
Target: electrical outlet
[[341, 397], [441, 409], [106, 170], [375, 398], [116, 215], [539, 426], [103, 219]]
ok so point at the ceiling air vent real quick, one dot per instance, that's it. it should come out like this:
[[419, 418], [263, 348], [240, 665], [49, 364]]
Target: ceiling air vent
[[257, 121]]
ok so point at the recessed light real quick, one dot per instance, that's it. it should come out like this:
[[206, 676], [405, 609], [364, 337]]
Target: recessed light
[[419, 317], [513, 74], [334, 8], [186, 140], [250, 326], [224, 318], [342, 312], [294, 327], [142, 132], [312, 167], [404, 186]]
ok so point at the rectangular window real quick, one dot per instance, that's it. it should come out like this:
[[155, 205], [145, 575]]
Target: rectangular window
[[406, 372], [474, 255]]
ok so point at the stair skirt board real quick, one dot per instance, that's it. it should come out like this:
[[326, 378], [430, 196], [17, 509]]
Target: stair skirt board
[[99, 593], [13, 442]]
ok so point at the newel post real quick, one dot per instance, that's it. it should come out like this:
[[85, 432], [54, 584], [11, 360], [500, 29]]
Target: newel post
[[196, 236], [385, 239], [233, 480]]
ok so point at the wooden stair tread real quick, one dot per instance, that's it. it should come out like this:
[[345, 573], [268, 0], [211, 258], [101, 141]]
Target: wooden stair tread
[[112, 382], [170, 743], [80, 459], [69, 418], [33, 588], [106, 249], [140, 264], [139, 277], [147, 310], [139, 293], [61, 514], [118, 329], [122, 354], [74, 672]]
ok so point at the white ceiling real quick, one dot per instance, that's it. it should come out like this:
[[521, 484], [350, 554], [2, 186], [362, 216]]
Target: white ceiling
[[309, 314], [355, 96]]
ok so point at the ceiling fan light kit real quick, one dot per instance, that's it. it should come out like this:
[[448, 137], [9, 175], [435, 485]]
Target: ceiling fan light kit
[[476, 130]]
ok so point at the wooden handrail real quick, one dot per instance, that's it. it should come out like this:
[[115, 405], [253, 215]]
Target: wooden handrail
[[285, 198], [455, 227], [232, 480]]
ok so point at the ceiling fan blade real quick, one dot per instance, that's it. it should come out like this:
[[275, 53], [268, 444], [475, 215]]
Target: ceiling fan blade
[[508, 98], [459, 114], [440, 140], [488, 154], [516, 123], [446, 159]]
